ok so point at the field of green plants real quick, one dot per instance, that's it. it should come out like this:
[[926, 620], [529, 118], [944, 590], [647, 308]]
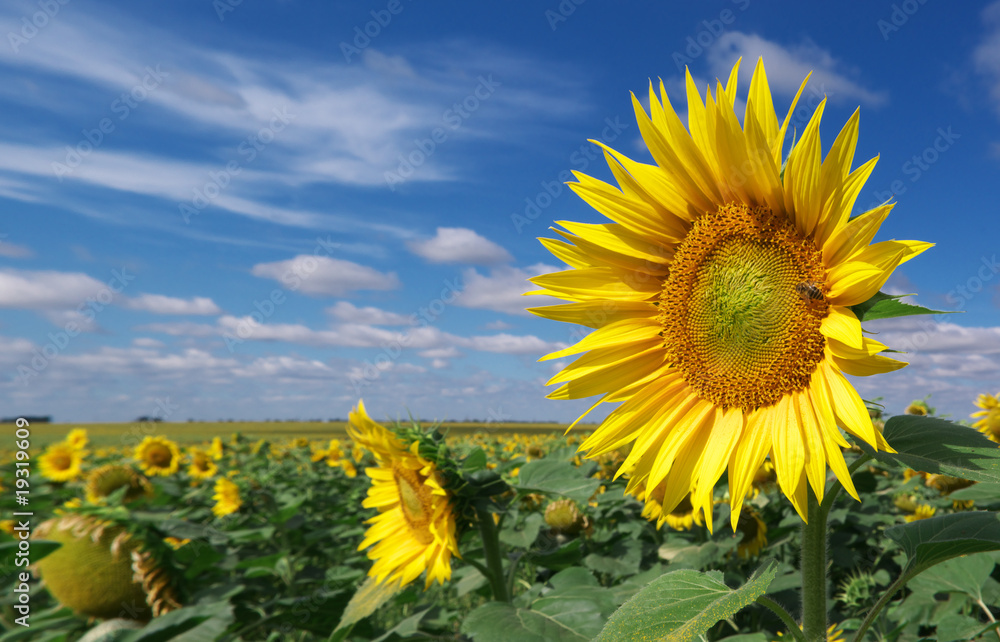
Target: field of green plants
[[258, 539]]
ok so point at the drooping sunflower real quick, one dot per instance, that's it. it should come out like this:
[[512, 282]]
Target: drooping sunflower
[[158, 456], [227, 498], [989, 425], [109, 478], [720, 297], [414, 530], [61, 462]]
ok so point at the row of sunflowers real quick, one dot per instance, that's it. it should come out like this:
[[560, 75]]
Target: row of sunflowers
[[243, 539]]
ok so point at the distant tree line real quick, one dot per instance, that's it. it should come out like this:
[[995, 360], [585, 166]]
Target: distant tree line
[[40, 419]]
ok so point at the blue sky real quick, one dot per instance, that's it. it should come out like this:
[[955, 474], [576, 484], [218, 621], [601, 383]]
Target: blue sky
[[271, 209]]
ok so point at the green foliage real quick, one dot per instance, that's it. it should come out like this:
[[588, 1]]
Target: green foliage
[[286, 565], [683, 605]]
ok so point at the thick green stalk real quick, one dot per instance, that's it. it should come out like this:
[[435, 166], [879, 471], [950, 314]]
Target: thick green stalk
[[814, 588], [491, 550]]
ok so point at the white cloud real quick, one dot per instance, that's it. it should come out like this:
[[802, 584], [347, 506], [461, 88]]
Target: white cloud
[[13, 251], [503, 289], [325, 276], [498, 325], [160, 304], [459, 245], [47, 289], [787, 67], [180, 329], [147, 342], [986, 56], [348, 312], [441, 353], [513, 344]]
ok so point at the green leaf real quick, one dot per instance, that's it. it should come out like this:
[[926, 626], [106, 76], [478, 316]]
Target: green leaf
[[965, 575], [524, 536], [408, 627], [369, 597], [985, 493], [558, 478], [476, 460], [934, 445], [561, 557], [572, 611], [885, 306], [682, 605], [930, 541], [198, 623]]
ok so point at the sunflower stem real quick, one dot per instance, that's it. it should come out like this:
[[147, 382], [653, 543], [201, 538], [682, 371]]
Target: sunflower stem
[[814, 582], [785, 616], [491, 551]]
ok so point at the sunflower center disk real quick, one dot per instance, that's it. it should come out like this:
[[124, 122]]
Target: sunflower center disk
[[734, 321], [160, 457], [415, 502]]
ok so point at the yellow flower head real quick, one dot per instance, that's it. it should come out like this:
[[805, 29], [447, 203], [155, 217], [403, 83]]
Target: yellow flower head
[[202, 464], [216, 449], [77, 438], [923, 511], [989, 425], [158, 456], [414, 530], [61, 462], [227, 498], [720, 294]]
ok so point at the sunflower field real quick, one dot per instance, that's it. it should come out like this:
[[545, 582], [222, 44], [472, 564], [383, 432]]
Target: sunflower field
[[381, 539], [740, 490]]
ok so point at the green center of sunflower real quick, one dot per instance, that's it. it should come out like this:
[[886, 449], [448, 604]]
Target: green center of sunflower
[[742, 306], [415, 502]]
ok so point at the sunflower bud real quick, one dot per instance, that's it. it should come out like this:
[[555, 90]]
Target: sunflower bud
[[564, 517]]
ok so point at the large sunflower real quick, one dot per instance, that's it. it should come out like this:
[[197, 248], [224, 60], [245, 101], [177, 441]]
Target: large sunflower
[[414, 530], [720, 297]]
